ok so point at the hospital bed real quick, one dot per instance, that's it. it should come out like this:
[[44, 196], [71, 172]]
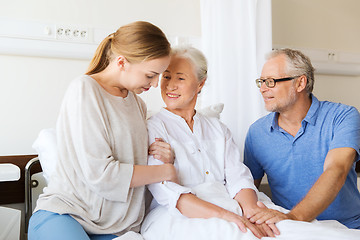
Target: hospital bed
[[35, 182], [45, 145]]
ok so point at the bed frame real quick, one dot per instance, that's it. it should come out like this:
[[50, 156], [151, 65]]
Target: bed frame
[[13, 192], [30, 169], [21, 191]]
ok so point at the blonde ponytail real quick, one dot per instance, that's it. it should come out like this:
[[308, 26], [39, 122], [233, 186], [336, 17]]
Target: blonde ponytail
[[101, 58], [137, 42]]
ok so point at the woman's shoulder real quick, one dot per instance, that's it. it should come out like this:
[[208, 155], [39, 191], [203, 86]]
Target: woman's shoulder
[[208, 118], [162, 118], [155, 118], [82, 84], [211, 122], [83, 81], [82, 87], [157, 124]]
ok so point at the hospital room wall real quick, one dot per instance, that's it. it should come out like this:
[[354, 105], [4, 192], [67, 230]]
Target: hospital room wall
[[32, 87], [322, 24]]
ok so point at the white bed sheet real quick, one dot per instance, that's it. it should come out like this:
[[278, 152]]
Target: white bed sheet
[[160, 224]]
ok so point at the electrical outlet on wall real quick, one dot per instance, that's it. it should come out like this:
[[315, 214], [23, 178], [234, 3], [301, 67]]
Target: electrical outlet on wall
[[73, 33]]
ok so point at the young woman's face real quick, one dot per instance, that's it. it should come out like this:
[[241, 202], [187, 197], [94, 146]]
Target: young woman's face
[[139, 77], [180, 85]]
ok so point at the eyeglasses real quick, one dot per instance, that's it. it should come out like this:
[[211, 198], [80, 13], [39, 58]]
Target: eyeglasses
[[271, 82]]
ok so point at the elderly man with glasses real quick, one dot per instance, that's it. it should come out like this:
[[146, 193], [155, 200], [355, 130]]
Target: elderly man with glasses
[[306, 147]]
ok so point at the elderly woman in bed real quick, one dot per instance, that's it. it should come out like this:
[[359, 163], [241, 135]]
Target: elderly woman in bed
[[215, 189], [214, 183]]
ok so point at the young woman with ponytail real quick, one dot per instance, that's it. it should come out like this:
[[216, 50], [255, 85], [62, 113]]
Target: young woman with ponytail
[[98, 190]]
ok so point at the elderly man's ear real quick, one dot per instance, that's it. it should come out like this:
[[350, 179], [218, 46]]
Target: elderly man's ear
[[301, 83]]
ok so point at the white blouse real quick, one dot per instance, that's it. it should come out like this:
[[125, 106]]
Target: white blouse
[[208, 154]]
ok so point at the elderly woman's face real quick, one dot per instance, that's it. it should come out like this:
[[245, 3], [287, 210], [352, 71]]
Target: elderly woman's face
[[180, 85]]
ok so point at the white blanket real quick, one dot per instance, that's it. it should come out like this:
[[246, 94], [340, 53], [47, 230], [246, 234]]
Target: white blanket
[[160, 224]]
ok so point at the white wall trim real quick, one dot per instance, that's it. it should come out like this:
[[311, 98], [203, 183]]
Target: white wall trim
[[331, 62]]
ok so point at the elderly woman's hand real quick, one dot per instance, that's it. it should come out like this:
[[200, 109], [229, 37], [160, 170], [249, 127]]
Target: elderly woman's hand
[[243, 223], [162, 151]]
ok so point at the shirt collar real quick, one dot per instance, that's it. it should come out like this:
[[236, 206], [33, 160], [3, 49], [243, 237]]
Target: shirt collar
[[313, 112], [175, 116], [170, 114], [274, 121], [310, 117]]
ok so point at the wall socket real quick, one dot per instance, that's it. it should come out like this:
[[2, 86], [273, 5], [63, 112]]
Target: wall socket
[[73, 34]]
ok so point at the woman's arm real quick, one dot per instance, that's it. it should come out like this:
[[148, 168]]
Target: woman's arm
[[144, 175], [165, 192], [247, 200], [193, 207]]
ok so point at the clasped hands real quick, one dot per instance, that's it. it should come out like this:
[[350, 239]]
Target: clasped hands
[[266, 218]]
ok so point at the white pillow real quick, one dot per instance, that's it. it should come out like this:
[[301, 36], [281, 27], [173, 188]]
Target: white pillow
[[212, 110], [45, 144]]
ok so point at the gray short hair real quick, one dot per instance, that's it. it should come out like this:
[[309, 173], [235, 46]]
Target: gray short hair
[[196, 57], [297, 64]]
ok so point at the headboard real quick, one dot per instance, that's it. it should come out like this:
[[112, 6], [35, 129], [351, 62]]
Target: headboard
[[14, 192]]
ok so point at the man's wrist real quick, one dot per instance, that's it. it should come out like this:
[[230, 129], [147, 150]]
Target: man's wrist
[[293, 215]]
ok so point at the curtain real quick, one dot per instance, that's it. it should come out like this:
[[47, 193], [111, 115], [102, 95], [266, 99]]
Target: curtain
[[236, 35]]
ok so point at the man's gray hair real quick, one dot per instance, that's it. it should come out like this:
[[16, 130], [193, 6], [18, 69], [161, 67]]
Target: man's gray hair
[[296, 64]]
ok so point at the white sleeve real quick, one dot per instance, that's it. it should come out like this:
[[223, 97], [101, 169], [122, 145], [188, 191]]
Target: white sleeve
[[237, 175], [165, 193]]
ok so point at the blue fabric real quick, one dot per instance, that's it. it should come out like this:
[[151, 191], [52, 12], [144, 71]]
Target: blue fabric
[[293, 164], [48, 225]]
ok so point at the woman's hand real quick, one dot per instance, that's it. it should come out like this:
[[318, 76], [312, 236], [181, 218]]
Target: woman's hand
[[268, 229], [244, 223], [162, 151]]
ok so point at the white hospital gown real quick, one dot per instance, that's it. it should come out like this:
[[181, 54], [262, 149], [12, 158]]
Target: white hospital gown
[[208, 154], [209, 165]]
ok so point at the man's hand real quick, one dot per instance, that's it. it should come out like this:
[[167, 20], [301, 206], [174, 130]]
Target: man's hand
[[268, 216], [259, 211], [162, 151]]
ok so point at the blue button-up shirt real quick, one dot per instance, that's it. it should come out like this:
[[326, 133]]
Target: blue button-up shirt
[[294, 164]]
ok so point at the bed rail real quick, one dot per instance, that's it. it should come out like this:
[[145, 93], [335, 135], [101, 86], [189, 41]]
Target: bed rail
[[28, 194]]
